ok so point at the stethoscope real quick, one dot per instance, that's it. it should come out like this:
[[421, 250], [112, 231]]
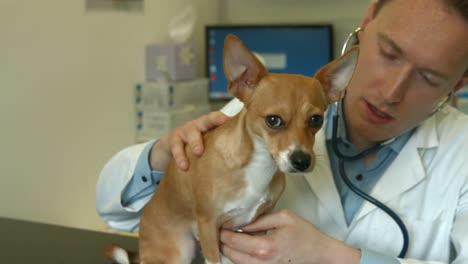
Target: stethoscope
[[350, 41]]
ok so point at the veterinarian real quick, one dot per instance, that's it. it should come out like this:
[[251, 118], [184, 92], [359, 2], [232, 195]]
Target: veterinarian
[[413, 56]]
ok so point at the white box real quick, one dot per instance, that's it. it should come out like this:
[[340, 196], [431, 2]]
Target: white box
[[155, 124], [170, 62], [163, 95]]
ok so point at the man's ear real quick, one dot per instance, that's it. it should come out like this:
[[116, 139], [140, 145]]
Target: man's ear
[[336, 75], [242, 68], [369, 16]]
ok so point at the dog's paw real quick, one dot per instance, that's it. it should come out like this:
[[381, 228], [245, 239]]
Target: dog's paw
[[117, 254]]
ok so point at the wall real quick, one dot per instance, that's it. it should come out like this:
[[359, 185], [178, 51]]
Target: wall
[[66, 101]]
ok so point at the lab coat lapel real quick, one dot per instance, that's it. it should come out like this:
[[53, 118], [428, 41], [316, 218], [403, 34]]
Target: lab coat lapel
[[322, 183], [407, 169]]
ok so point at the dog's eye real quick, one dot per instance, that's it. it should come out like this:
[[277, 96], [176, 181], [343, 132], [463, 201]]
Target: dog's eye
[[274, 121], [315, 121]]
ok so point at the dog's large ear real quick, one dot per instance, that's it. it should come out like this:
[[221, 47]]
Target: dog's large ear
[[336, 75], [242, 69]]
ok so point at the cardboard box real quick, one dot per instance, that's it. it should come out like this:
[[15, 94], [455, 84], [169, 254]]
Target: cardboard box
[[155, 124], [163, 95], [172, 62]]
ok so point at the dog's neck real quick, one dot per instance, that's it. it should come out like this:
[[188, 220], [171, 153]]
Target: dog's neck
[[261, 167], [241, 147]]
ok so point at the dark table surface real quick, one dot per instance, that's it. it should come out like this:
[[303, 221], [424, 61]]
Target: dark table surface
[[23, 242]]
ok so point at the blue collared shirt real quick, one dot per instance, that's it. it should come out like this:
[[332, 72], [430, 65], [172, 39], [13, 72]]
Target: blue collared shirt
[[361, 175], [144, 180]]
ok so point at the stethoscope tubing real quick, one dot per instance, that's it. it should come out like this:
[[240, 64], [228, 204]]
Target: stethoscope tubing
[[351, 40], [341, 159]]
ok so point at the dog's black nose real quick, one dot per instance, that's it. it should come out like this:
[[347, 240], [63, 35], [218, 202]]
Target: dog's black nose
[[300, 160]]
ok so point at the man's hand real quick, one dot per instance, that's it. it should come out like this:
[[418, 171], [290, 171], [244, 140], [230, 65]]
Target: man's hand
[[173, 143], [291, 240]]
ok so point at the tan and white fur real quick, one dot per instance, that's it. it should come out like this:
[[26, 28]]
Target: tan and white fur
[[240, 175]]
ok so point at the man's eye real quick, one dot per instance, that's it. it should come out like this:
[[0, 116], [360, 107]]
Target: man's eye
[[428, 79], [387, 53], [274, 121], [315, 121]]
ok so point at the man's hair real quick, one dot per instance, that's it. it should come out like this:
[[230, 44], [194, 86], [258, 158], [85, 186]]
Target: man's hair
[[461, 6]]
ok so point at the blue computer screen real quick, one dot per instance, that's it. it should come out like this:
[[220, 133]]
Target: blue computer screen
[[290, 49]]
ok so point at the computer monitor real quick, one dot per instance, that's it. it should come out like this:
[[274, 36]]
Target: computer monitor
[[299, 49]]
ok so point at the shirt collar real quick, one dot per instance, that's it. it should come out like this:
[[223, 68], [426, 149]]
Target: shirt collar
[[395, 145]]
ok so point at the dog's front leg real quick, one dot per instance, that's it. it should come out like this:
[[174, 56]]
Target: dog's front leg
[[208, 231]]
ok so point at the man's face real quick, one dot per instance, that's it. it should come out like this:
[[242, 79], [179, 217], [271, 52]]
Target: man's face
[[413, 53]]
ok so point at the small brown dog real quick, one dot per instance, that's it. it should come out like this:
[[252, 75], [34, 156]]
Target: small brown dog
[[241, 172]]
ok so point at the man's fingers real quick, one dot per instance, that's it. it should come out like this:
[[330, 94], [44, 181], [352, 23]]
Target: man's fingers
[[193, 133], [245, 243], [236, 256], [270, 221], [178, 152], [193, 137], [211, 120]]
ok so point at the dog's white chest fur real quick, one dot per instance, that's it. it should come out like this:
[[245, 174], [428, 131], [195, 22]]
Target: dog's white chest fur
[[257, 176]]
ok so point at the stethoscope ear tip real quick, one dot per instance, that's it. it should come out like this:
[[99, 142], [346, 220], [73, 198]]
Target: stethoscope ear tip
[[351, 40]]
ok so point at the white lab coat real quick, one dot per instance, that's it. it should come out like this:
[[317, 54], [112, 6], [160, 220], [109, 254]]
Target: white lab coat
[[426, 185]]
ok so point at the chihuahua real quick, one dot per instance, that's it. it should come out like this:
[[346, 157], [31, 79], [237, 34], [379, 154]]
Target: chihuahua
[[241, 173]]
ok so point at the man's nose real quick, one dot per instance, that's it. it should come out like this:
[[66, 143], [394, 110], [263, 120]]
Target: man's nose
[[397, 85]]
